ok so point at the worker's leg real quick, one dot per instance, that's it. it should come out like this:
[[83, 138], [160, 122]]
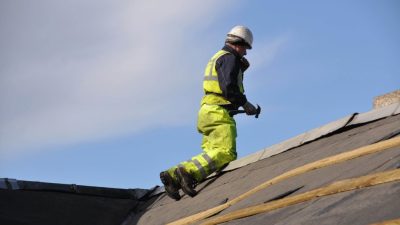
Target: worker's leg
[[220, 135], [219, 143]]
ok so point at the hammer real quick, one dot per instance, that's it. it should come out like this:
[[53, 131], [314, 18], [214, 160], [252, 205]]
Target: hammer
[[234, 112]]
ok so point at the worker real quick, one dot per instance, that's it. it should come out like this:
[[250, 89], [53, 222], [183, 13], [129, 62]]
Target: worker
[[224, 93]]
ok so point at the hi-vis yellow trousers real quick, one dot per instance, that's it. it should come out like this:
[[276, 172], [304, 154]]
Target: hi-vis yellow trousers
[[219, 143]]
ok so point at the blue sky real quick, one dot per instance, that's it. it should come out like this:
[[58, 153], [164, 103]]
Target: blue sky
[[106, 93]]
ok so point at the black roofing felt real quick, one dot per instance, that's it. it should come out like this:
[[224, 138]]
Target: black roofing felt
[[363, 206], [44, 208], [39, 203], [52, 204]]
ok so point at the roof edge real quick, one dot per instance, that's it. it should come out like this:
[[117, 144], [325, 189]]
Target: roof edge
[[314, 134], [137, 193]]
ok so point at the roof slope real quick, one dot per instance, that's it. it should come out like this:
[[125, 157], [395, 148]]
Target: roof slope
[[361, 206], [24, 202]]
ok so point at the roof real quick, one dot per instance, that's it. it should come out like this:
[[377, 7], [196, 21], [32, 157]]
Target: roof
[[39, 203], [375, 200], [360, 206]]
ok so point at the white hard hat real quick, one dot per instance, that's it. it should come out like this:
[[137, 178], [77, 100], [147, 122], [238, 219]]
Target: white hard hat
[[240, 35]]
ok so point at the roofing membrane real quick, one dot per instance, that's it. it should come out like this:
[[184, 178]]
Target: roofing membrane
[[376, 114], [360, 206], [314, 134]]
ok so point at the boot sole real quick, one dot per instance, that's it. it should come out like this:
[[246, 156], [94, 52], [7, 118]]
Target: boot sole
[[166, 181]]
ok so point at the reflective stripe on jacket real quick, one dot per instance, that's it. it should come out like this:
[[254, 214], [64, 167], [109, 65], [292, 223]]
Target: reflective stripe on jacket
[[212, 81]]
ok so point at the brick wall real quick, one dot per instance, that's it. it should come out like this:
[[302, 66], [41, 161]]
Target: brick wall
[[386, 99]]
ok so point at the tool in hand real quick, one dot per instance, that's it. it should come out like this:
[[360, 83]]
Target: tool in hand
[[238, 111]]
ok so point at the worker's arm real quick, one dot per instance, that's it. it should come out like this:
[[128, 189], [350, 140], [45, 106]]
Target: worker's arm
[[228, 67]]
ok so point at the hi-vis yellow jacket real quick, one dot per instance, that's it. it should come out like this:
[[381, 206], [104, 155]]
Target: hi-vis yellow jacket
[[226, 88]]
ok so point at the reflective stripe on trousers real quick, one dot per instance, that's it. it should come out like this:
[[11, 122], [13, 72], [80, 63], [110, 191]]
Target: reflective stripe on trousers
[[219, 143], [201, 168]]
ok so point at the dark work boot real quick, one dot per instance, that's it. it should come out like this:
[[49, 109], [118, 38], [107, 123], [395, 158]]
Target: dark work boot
[[171, 186], [187, 182]]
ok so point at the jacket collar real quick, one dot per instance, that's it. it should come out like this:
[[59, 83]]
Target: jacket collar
[[231, 50]]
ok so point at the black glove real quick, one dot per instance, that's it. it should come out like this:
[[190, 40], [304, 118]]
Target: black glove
[[250, 109], [245, 64]]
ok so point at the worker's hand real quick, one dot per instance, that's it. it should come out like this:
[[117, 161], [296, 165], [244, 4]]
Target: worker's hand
[[250, 109], [245, 64]]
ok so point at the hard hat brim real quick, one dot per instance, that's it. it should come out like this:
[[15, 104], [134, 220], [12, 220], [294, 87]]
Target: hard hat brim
[[236, 40]]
